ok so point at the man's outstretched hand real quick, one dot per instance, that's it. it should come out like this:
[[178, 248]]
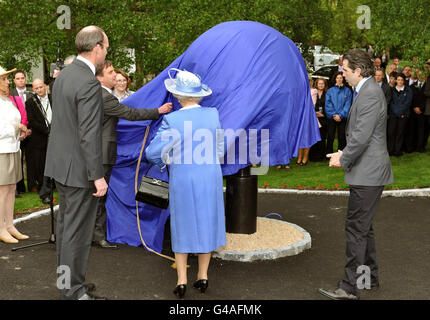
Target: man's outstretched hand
[[165, 108], [334, 159]]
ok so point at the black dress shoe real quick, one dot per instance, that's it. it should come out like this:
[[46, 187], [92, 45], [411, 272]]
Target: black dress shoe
[[180, 290], [106, 245], [201, 285], [90, 287], [90, 296], [338, 294]]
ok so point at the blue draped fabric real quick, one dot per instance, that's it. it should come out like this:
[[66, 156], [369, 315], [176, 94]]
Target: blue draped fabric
[[259, 81]]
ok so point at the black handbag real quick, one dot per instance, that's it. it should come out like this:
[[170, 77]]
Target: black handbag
[[153, 191]]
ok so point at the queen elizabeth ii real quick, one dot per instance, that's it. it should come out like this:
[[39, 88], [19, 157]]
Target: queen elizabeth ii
[[197, 220]]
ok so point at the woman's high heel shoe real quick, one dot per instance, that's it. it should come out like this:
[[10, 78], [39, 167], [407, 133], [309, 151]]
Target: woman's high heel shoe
[[180, 290], [201, 285], [18, 235], [8, 239]]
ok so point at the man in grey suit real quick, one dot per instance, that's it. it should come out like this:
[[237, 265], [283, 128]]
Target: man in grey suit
[[367, 170], [113, 110], [74, 160]]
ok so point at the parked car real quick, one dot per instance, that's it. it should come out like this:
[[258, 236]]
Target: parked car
[[326, 72], [323, 56]]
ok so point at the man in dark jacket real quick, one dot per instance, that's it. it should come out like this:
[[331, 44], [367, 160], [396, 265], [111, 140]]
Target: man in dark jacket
[[399, 112], [39, 113], [113, 110], [379, 77], [74, 159], [416, 133]]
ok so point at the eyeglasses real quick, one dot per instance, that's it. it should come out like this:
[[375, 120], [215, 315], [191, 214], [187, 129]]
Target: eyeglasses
[[121, 81]]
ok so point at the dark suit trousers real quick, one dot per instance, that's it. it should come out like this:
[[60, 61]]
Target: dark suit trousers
[[396, 133], [416, 132], [100, 227], [360, 240], [20, 186], [35, 159], [331, 132], [75, 227]]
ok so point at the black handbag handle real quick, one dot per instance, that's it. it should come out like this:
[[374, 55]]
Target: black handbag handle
[[146, 173]]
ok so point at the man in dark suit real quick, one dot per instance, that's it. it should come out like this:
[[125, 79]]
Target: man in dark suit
[[367, 170], [416, 130], [379, 78], [113, 110], [39, 114], [74, 160], [20, 90]]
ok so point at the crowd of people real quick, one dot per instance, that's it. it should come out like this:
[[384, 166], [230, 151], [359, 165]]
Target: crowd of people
[[81, 150], [407, 94], [35, 106]]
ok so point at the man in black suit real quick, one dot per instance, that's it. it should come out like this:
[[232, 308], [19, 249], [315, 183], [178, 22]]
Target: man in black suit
[[39, 114], [113, 110], [379, 78], [416, 133], [74, 160]]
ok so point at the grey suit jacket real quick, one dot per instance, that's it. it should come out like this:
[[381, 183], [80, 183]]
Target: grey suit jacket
[[113, 110], [74, 156], [365, 157]]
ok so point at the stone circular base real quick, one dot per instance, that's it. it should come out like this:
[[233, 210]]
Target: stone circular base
[[273, 239]]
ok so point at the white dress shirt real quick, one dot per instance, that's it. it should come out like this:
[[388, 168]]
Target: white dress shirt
[[108, 90], [360, 84], [46, 108], [9, 122], [88, 63]]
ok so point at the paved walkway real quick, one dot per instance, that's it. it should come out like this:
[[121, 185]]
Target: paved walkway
[[402, 239]]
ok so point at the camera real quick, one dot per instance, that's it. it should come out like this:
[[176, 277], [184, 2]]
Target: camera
[[58, 65]]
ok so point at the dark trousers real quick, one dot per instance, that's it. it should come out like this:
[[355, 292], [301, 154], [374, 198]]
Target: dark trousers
[[100, 227], [20, 186], [360, 239], [45, 190], [396, 134], [75, 227], [332, 125], [35, 158], [318, 150], [416, 133]]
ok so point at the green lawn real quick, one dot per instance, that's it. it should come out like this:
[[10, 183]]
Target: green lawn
[[30, 201], [410, 171]]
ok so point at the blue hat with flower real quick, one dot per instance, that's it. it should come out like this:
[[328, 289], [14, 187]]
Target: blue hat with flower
[[186, 84]]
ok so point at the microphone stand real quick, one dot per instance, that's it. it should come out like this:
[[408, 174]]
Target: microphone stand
[[52, 237]]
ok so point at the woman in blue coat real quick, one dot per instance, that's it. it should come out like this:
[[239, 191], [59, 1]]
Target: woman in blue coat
[[191, 142], [337, 105]]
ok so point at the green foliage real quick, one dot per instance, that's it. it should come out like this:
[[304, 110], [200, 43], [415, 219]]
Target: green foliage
[[159, 31]]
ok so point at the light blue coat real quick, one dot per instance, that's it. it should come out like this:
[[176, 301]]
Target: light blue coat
[[188, 140]]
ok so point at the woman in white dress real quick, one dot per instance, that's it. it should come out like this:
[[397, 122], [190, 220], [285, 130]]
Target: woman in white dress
[[11, 133]]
